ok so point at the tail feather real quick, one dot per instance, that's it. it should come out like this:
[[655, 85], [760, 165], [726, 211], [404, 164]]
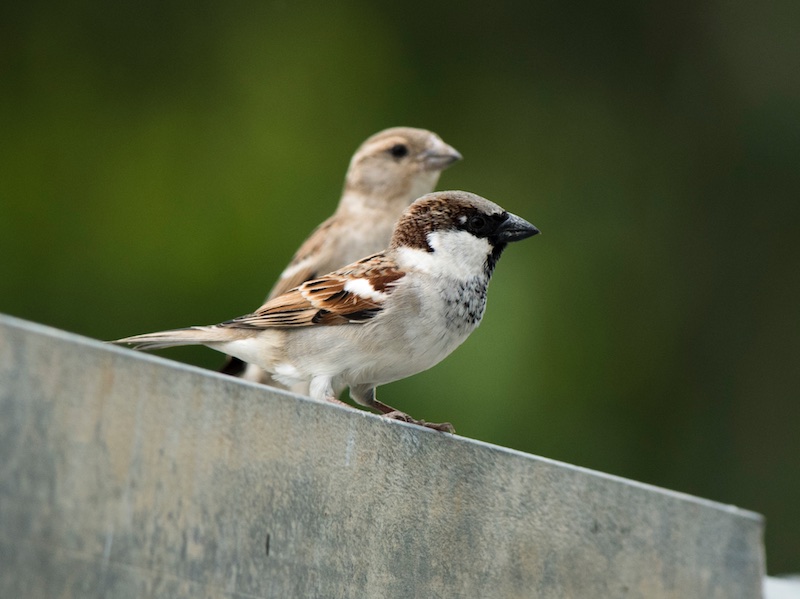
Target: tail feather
[[174, 338]]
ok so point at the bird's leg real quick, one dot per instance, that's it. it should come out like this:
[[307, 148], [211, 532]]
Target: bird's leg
[[321, 389], [366, 397]]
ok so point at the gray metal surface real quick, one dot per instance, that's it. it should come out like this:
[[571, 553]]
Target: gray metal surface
[[126, 475]]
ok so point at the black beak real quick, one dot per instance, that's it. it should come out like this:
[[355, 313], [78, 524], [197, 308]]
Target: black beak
[[514, 228]]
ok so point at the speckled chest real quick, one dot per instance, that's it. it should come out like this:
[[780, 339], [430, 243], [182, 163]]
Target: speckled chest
[[464, 304]]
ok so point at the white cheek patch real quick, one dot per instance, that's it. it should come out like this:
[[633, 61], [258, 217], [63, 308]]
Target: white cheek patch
[[415, 259], [459, 253], [363, 288]]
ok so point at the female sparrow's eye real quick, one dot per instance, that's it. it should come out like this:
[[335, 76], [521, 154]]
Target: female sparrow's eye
[[399, 150], [477, 224]]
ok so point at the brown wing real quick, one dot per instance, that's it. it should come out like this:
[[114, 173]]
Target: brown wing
[[351, 295]]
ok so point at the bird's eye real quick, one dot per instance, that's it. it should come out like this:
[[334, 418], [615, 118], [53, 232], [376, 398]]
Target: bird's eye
[[477, 223], [399, 150]]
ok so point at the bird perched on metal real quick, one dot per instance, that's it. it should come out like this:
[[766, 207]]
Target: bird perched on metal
[[389, 170], [380, 319]]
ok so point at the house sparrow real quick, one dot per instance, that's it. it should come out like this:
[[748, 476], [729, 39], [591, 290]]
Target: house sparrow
[[389, 170], [380, 319]]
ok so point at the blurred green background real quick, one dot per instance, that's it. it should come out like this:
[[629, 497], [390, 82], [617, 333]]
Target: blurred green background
[[161, 161]]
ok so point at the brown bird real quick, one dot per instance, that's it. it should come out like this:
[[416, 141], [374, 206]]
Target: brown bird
[[380, 319], [389, 170]]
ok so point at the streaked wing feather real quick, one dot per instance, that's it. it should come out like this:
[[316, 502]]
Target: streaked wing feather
[[326, 301]]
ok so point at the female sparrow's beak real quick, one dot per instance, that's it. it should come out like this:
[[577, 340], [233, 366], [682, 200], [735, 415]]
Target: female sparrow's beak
[[440, 157]]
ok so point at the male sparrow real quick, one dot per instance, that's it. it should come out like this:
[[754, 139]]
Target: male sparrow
[[380, 319], [389, 170]]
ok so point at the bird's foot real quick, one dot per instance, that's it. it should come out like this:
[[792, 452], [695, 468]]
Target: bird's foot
[[444, 427]]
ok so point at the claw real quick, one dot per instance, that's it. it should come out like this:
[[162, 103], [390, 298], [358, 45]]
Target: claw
[[444, 427], [398, 415]]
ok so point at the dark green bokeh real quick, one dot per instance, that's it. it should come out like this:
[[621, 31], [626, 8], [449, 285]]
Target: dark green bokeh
[[160, 162]]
